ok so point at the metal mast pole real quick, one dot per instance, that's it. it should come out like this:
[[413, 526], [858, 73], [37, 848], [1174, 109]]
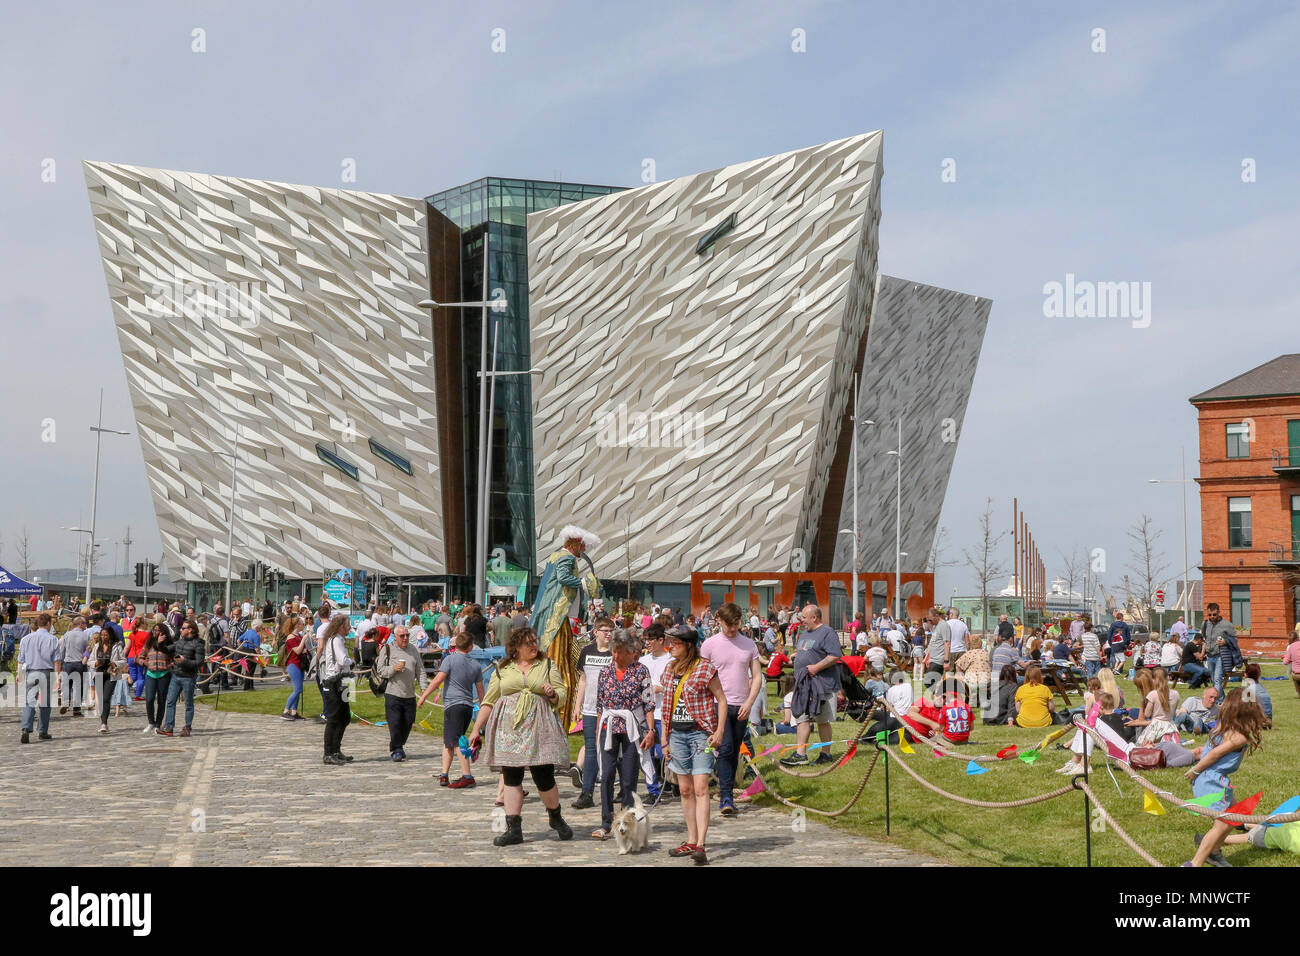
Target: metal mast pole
[[230, 531], [480, 556], [898, 529], [856, 550], [94, 499]]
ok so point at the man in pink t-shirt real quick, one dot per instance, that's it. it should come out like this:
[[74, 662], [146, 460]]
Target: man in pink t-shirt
[[735, 655], [1292, 659]]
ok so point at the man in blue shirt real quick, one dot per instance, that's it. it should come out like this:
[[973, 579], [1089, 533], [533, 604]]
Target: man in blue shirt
[[250, 643], [1117, 643], [38, 654]]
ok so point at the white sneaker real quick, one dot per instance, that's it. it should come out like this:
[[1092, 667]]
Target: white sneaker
[[149, 729]]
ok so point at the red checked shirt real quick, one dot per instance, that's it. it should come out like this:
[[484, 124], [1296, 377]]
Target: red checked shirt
[[697, 702]]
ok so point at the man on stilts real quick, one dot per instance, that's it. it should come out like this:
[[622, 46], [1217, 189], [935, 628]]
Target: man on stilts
[[561, 585]]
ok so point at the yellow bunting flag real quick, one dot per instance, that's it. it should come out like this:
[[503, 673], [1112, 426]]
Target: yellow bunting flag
[[1152, 805], [904, 746]]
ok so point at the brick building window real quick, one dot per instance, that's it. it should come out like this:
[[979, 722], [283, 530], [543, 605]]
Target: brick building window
[[1238, 522], [1239, 602], [1239, 441]]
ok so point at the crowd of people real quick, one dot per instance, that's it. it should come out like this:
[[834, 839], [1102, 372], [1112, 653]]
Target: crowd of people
[[661, 696]]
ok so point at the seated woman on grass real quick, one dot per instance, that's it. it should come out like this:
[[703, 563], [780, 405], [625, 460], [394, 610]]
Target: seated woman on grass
[[1034, 706]]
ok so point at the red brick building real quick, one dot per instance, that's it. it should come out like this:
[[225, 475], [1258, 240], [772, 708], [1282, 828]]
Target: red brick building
[[1250, 499]]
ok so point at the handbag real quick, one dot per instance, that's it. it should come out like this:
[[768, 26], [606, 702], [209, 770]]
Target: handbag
[[1146, 758], [377, 685]]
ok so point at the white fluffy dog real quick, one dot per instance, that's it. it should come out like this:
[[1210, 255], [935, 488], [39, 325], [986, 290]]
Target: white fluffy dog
[[632, 827]]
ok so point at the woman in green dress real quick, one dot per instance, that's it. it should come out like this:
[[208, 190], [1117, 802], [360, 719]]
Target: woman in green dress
[[519, 724]]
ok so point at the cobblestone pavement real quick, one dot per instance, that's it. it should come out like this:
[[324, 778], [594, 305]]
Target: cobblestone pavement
[[251, 789]]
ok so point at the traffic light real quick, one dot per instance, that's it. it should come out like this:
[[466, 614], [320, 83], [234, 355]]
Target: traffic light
[[153, 574], [139, 574]]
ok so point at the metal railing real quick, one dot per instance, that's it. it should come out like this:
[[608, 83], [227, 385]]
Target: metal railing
[[1288, 457], [1283, 553]]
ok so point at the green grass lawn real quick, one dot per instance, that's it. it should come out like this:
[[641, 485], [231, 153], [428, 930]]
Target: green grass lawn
[[1049, 833], [1044, 834]]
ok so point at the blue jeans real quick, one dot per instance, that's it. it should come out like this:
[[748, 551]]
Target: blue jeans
[[1090, 669], [734, 729], [624, 761], [137, 677], [37, 684], [589, 766], [295, 675], [690, 753], [657, 755], [179, 684], [1196, 675], [155, 697], [1215, 667]]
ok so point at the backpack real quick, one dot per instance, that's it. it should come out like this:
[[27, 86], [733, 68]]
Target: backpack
[[377, 686]]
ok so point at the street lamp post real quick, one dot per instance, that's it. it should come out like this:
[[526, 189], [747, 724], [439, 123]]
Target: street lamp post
[[898, 525], [484, 305], [99, 431], [1184, 481], [230, 531], [487, 468]]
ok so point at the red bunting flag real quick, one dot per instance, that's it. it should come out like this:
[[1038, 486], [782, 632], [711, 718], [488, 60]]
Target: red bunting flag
[[758, 786], [1246, 806], [937, 753], [1006, 753], [853, 749]]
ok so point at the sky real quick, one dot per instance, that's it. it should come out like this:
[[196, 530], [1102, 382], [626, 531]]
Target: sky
[[1118, 164]]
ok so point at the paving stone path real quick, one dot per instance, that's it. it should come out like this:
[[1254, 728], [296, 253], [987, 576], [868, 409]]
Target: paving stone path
[[225, 795]]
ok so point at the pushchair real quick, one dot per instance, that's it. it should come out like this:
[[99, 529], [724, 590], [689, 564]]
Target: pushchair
[[858, 701]]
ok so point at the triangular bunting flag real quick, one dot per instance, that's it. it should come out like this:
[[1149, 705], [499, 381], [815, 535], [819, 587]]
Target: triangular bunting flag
[[770, 750], [758, 786], [938, 753], [973, 768], [880, 736], [744, 750], [1246, 806], [853, 749], [904, 746], [1151, 805], [1029, 756], [816, 746], [1006, 753], [1205, 800], [1290, 805]]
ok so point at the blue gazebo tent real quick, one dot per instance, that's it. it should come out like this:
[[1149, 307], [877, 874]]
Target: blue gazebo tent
[[11, 583]]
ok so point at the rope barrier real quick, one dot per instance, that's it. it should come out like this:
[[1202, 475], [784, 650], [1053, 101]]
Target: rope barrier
[[1100, 743], [1105, 815], [986, 804], [823, 813]]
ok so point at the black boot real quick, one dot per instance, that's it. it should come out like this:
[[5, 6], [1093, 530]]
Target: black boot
[[559, 826], [514, 831]]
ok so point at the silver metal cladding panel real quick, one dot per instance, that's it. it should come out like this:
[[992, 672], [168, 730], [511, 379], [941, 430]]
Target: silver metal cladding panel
[[690, 404], [922, 349], [291, 312]]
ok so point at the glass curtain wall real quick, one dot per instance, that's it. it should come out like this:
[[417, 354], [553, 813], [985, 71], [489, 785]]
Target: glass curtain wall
[[498, 209]]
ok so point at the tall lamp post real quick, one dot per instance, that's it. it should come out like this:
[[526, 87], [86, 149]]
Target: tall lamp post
[[486, 470], [1184, 481], [857, 552], [898, 525], [497, 305], [230, 530], [99, 431]]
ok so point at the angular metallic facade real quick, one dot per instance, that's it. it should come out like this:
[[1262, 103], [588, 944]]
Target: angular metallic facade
[[691, 403], [290, 313], [922, 350]]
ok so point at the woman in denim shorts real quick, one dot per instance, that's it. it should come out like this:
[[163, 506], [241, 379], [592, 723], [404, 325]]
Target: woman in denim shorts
[[693, 701]]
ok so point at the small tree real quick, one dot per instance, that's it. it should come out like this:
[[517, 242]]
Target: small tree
[[23, 545], [935, 563], [1072, 567], [1146, 565], [984, 559]]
